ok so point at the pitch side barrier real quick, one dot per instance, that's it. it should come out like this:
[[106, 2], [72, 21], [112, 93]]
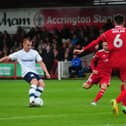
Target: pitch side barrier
[[59, 70], [13, 70]]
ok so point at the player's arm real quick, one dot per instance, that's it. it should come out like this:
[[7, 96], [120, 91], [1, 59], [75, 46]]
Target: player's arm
[[43, 66], [95, 42], [78, 51], [12, 56], [93, 61], [6, 58], [92, 44]]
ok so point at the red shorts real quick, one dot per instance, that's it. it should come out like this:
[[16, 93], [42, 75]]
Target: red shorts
[[122, 73], [120, 68], [101, 79]]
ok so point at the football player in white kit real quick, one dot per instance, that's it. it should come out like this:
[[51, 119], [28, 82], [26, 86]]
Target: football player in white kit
[[27, 58]]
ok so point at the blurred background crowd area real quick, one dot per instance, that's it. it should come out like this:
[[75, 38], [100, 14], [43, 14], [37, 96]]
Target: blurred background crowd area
[[58, 44]]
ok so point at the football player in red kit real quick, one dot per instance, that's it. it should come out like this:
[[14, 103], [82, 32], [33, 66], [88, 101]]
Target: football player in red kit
[[101, 73], [116, 39]]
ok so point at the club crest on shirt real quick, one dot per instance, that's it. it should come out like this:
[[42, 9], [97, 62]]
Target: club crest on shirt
[[32, 75]]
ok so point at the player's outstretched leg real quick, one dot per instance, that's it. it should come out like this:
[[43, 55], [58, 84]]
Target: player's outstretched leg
[[32, 91], [100, 94], [40, 88], [32, 95], [114, 107]]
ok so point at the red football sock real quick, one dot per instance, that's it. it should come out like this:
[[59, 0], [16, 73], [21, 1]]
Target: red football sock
[[124, 101], [99, 95], [122, 97], [122, 87]]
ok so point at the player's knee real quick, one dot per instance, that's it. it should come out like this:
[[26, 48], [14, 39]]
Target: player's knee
[[41, 83], [104, 86], [86, 86], [34, 81]]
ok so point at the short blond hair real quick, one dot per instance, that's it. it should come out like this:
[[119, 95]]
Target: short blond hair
[[26, 39]]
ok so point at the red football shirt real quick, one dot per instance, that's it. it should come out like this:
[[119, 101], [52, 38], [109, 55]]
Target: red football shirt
[[116, 39], [103, 65]]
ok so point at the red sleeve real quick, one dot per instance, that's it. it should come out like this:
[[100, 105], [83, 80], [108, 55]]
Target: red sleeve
[[95, 42], [96, 57]]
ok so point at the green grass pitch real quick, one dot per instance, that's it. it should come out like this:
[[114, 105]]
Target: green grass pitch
[[66, 103]]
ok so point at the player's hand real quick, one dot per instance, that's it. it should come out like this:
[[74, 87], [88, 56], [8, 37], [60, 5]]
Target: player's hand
[[48, 75], [77, 51], [95, 72]]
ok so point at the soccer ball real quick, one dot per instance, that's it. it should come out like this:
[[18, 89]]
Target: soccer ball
[[39, 102]]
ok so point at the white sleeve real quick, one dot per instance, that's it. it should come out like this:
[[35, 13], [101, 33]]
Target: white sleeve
[[38, 57], [13, 56]]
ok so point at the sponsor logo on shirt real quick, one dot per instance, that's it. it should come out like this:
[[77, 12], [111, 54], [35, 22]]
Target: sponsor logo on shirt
[[27, 60]]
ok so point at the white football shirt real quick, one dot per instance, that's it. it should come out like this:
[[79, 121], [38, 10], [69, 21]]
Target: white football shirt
[[26, 60]]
